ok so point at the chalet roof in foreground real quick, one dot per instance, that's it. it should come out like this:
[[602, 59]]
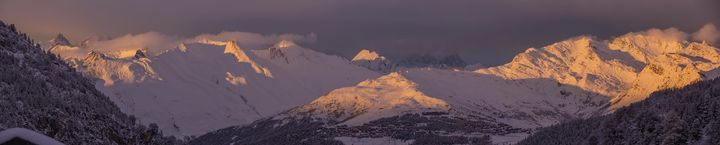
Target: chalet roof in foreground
[[21, 136]]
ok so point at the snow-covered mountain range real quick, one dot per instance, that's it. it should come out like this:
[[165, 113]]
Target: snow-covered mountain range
[[627, 68], [201, 85]]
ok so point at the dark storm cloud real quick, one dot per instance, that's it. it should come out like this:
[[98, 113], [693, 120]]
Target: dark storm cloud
[[485, 31]]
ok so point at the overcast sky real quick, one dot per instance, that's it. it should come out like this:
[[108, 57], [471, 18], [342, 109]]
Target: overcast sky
[[481, 31]]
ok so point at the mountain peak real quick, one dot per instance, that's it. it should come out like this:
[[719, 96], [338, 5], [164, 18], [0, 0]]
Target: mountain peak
[[285, 44], [60, 39], [140, 54], [393, 79], [373, 61], [182, 47], [93, 56], [647, 46], [232, 48], [367, 55], [388, 95]]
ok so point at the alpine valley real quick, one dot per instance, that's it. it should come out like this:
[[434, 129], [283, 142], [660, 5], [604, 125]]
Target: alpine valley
[[224, 89]]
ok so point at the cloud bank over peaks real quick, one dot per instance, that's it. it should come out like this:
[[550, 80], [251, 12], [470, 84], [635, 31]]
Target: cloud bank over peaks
[[708, 33], [154, 43], [666, 34], [253, 40]]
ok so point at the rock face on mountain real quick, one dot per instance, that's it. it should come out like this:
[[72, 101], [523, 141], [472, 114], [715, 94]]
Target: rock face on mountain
[[373, 61], [140, 54], [681, 116], [111, 70], [40, 92], [60, 40]]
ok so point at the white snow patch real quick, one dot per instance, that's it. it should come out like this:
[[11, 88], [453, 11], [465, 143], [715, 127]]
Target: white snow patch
[[235, 80]]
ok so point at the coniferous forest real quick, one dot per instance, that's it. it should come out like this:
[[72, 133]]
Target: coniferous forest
[[689, 115]]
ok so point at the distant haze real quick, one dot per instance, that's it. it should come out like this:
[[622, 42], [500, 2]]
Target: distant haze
[[481, 31]]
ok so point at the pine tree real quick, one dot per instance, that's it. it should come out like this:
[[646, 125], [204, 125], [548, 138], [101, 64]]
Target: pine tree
[[673, 129]]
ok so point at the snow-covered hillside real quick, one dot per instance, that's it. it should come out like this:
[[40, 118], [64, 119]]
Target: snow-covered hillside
[[386, 96], [523, 103]]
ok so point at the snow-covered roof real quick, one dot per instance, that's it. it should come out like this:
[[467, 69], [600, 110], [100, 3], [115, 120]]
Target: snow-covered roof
[[27, 135]]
